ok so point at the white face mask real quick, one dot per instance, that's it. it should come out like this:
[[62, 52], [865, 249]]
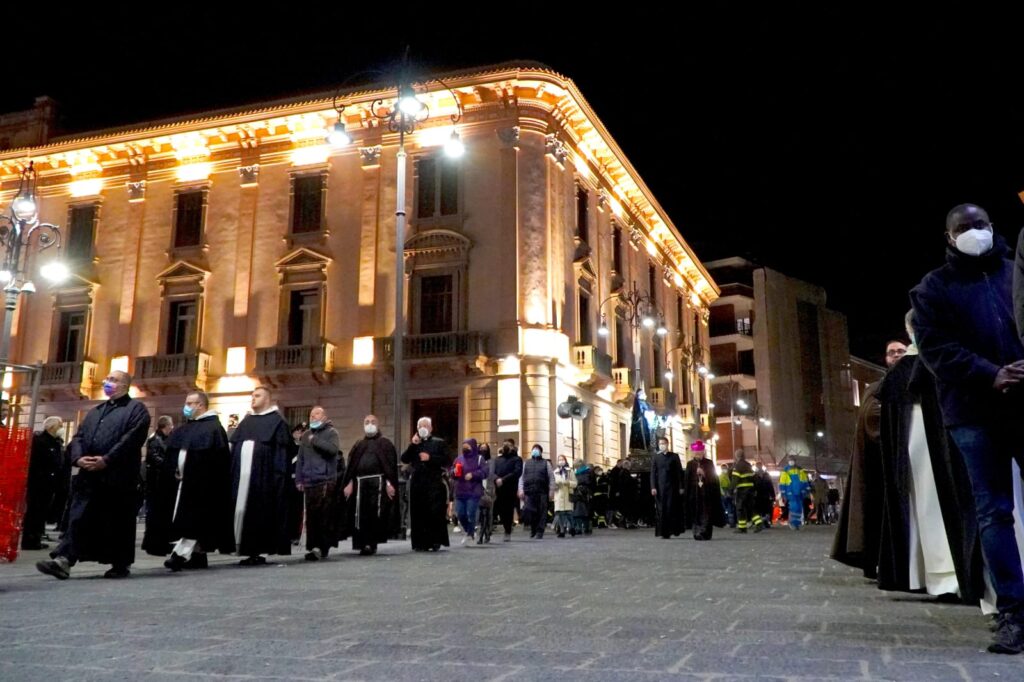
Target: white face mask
[[60, 433], [424, 432], [974, 242], [370, 429]]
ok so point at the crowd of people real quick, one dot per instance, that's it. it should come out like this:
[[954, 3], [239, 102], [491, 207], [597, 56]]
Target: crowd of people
[[934, 490]]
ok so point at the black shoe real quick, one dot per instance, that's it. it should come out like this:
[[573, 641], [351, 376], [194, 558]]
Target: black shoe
[[561, 535], [197, 560], [313, 555], [253, 561], [1008, 638], [117, 572], [57, 567], [758, 528], [435, 548], [740, 530], [176, 562]]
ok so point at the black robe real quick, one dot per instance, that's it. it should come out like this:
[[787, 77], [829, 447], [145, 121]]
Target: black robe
[[44, 464], [703, 504], [104, 504], [907, 383], [161, 488], [667, 479], [202, 510], [265, 526], [428, 496], [860, 519], [370, 457]]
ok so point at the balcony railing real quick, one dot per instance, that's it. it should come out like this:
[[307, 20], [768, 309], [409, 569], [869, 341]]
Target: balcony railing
[[172, 366], [318, 358], [622, 377], [423, 346], [590, 359], [663, 399], [68, 373]]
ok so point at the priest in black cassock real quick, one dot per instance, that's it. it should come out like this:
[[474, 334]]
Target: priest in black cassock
[[428, 496], [370, 482], [105, 497], [929, 535], [199, 458], [667, 489], [262, 451], [703, 496]]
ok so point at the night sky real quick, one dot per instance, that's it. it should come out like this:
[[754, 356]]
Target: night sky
[[829, 146]]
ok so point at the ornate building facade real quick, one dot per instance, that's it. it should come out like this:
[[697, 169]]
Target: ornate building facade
[[234, 248]]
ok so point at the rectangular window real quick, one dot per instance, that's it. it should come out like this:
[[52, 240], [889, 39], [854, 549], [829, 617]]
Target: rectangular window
[[652, 283], [437, 187], [307, 203], [304, 317], [182, 325], [582, 212], [82, 225], [585, 337], [71, 336], [620, 340], [617, 250], [437, 298], [188, 224]]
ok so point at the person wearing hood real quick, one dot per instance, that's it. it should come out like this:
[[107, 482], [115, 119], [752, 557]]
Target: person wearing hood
[[536, 488], [370, 484], [667, 489], [469, 473], [262, 450], [965, 333], [317, 468], [703, 497], [586, 481], [198, 458], [507, 471], [485, 517], [565, 485]]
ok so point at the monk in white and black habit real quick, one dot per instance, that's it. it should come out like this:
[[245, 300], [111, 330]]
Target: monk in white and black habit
[[703, 496], [105, 495], [262, 451], [667, 489], [369, 485], [929, 535], [428, 496], [199, 458]]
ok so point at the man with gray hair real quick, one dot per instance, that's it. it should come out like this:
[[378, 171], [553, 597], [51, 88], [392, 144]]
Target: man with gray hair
[[428, 497], [44, 463], [105, 494]]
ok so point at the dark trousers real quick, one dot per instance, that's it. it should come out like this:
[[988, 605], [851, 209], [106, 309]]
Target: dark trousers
[[505, 506], [535, 512], [36, 507], [745, 512], [321, 517], [485, 522], [989, 452]]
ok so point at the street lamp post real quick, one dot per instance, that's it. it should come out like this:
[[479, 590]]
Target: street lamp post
[[639, 310], [402, 116], [18, 230]]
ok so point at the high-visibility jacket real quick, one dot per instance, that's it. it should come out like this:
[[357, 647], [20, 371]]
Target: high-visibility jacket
[[793, 483], [742, 475]]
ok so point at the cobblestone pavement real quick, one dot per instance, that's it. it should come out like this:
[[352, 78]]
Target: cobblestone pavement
[[620, 605]]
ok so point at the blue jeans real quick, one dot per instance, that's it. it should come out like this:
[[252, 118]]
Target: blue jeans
[[988, 453], [465, 510]]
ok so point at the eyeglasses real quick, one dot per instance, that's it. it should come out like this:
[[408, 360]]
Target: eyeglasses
[[895, 352]]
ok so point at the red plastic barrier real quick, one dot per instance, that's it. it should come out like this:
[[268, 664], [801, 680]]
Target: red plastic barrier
[[14, 456]]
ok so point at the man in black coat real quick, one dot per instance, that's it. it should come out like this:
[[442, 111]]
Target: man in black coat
[[161, 489], [105, 493], [964, 325], [199, 460], [508, 467], [667, 490], [428, 496], [44, 464]]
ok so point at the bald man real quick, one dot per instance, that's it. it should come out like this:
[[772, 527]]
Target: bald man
[[107, 449]]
